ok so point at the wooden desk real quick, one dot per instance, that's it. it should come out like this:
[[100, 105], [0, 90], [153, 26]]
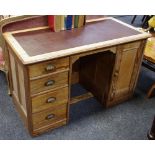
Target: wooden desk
[[104, 57]]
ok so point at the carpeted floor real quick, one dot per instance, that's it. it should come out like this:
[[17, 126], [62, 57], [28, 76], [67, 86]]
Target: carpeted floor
[[129, 120]]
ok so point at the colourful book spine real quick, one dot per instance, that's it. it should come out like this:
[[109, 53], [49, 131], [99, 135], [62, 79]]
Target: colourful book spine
[[57, 23], [69, 22], [65, 22], [72, 21], [84, 20], [81, 21], [76, 21], [51, 22], [62, 22]]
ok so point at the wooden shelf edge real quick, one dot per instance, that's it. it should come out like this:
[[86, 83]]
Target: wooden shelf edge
[[81, 97]]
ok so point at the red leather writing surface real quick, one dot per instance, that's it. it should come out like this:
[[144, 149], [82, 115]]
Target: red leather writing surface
[[45, 41]]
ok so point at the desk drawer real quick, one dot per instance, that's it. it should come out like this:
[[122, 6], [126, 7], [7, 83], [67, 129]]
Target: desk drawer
[[49, 100], [49, 82], [48, 67], [49, 117]]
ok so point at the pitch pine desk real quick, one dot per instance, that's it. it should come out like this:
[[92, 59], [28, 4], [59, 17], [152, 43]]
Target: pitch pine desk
[[104, 57]]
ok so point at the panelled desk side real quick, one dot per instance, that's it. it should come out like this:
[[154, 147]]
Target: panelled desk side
[[41, 82]]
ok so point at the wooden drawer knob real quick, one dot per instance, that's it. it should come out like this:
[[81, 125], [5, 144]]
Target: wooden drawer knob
[[49, 83], [50, 116], [51, 100], [50, 67]]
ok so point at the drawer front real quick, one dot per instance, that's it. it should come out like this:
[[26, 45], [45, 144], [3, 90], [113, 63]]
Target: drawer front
[[49, 82], [131, 46], [48, 67], [49, 100], [49, 117]]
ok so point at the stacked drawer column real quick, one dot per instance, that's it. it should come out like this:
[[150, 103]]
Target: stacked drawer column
[[49, 94]]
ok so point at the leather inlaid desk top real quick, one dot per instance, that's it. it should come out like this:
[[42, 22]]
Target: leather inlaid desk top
[[42, 44], [45, 41]]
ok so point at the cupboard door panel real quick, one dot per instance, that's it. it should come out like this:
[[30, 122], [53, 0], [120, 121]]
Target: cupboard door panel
[[125, 72]]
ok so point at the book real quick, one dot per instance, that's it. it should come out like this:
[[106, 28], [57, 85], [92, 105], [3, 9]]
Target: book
[[84, 20], [81, 20], [69, 22], [62, 22], [76, 21], [51, 22], [73, 21], [65, 22], [57, 23], [65, 18], [54, 22]]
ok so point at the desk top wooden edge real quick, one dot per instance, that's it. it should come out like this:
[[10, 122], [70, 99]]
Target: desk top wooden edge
[[26, 59]]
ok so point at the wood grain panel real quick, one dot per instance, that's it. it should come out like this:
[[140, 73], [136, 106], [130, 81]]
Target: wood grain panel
[[125, 72], [49, 127], [48, 67], [55, 80], [82, 97], [50, 100], [114, 76], [19, 109], [49, 116], [95, 75], [14, 76], [75, 72], [21, 87], [131, 46], [137, 65]]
